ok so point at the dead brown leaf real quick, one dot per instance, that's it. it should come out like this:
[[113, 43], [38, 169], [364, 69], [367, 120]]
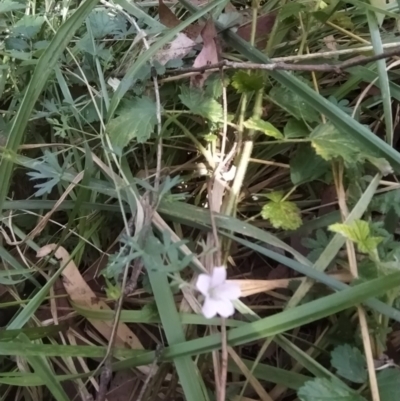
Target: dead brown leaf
[[170, 20], [81, 294], [167, 17], [208, 55], [264, 26]]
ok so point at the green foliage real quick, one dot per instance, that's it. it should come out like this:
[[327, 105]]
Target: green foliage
[[293, 104], [257, 124], [358, 232], [28, 26], [103, 23], [330, 143], [387, 201], [325, 389], [295, 129], [350, 363], [307, 166], [9, 5], [245, 82], [201, 104], [281, 213], [389, 384], [316, 245], [135, 121]]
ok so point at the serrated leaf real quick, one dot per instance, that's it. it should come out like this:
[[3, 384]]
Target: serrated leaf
[[306, 165], [265, 127], [383, 203], [349, 363], [330, 143], [102, 23], [201, 104], [282, 214], [7, 6], [293, 104], [275, 196], [244, 82], [134, 122], [327, 390], [360, 233], [28, 26], [389, 384], [295, 129]]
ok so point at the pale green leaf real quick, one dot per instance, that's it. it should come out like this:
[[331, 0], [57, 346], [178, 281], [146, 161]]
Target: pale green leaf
[[275, 196], [327, 390], [330, 143], [389, 384], [307, 166], [257, 124], [358, 232], [7, 5], [293, 104], [103, 23], [245, 82], [201, 104], [349, 363], [134, 122], [282, 214], [28, 26]]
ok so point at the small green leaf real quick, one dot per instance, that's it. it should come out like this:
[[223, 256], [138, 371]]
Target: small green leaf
[[265, 127], [295, 129], [244, 82], [136, 121], [293, 104], [281, 214], [327, 390], [360, 233], [201, 104], [306, 165], [275, 196], [329, 143], [349, 363], [389, 384]]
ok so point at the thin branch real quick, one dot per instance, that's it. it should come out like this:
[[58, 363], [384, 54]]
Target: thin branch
[[338, 68]]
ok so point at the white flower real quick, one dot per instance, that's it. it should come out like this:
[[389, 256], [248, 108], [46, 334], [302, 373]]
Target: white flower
[[218, 293]]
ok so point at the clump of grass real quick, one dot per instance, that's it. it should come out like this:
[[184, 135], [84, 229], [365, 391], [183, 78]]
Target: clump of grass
[[122, 182]]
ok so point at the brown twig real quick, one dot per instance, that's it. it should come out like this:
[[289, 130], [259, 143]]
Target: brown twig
[[338, 68]]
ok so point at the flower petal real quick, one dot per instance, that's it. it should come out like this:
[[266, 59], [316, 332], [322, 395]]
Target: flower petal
[[225, 308], [227, 291], [203, 283], [218, 276], [210, 307]]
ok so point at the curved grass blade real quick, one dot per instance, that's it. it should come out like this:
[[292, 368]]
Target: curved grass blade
[[40, 76], [383, 75]]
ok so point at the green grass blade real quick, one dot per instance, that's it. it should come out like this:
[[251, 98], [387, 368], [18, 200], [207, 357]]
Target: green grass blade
[[276, 324], [189, 378], [40, 76], [42, 368], [383, 76]]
